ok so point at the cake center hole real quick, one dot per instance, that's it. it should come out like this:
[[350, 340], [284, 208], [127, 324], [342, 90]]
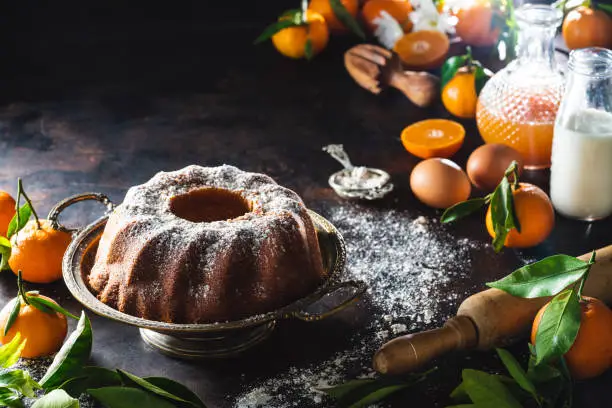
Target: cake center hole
[[209, 204]]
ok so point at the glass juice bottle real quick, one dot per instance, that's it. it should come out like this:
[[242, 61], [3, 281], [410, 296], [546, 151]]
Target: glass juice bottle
[[518, 105], [581, 172]]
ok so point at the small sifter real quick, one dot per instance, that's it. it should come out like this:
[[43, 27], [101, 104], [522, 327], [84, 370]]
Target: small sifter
[[359, 182]]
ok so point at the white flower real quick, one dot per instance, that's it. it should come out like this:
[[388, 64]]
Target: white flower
[[426, 17], [388, 30]]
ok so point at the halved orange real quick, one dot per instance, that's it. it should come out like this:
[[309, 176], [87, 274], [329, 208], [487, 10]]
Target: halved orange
[[421, 50], [433, 138]]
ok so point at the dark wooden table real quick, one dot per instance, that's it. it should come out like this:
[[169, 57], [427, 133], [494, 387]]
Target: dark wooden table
[[101, 97]]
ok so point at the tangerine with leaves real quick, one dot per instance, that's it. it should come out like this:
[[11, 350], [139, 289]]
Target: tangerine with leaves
[[591, 353], [398, 9], [7, 211], [587, 27], [38, 250], [535, 215], [519, 215], [297, 35], [38, 319], [462, 79], [35, 247], [331, 15]]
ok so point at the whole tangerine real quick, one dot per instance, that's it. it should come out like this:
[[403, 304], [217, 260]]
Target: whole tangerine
[[7, 211], [38, 252], [535, 215], [324, 8], [459, 94], [398, 9], [585, 27], [44, 332], [291, 41], [591, 353], [474, 23]]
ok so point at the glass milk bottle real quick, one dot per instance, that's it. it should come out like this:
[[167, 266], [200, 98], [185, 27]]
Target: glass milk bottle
[[581, 172]]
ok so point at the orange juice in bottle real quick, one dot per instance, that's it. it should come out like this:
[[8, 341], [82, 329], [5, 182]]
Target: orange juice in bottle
[[518, 106]]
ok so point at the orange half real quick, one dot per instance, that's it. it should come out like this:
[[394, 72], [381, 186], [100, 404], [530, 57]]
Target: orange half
[[433, 138], [421, 50]]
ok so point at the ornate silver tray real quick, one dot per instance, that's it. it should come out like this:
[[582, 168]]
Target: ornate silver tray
[[212, 340]]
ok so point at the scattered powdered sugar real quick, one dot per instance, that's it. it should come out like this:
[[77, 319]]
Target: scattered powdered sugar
[[410, 265]]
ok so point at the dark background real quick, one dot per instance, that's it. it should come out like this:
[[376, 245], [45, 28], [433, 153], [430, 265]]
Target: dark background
[[100, 96]]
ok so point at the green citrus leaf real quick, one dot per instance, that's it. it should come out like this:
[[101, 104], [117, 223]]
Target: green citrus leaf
[[346, 18], [510, 221], [546, 277], [10, 398], [558, 327], [462, 209], [480, 78], [144, 384], [48, 306], [91, 377], [56, 399], [487, 390], [71, 358], [5, 252], [292, 14], [498, 218], [124, 397], [450, 68], [11, 351], [517, 372], [15, 308], [25, 212], [308, 49], [19, 381], [177, 389], [274, 28], [378, 395], [364, 392], [605, 7]]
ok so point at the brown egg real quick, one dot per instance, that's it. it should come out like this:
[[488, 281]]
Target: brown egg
[[487, 164], [439, 183]]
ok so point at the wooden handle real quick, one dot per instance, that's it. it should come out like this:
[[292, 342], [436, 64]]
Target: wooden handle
[[496, 318], [421, 88], [412, 351]]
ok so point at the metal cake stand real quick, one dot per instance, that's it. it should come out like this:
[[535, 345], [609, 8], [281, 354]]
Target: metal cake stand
[[211, 340]]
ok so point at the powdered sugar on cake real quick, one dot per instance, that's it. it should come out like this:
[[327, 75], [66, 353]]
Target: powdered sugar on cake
[[206, 245]]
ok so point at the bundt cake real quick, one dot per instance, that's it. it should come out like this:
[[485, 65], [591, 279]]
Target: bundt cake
[[206, 244]]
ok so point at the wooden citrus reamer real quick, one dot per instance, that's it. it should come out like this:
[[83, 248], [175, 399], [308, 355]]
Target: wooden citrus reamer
[[484, 320], [375, 68]]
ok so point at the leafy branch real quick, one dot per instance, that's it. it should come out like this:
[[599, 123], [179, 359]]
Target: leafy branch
[[501, 202], [563, 277]]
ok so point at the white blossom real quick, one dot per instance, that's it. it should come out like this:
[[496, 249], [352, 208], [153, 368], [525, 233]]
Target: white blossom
[[426, 17], [388, 30]]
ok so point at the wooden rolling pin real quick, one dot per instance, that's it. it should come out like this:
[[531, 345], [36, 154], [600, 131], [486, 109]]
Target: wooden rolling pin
[[485, 320], [374, 68]]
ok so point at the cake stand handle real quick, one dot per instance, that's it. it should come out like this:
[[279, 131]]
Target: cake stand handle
[[358, 288], [67, 202]]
